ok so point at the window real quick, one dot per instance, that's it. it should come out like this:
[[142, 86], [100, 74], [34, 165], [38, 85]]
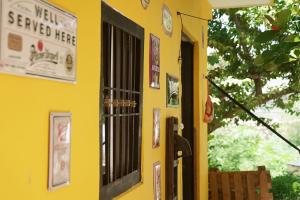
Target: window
[[121, 103]]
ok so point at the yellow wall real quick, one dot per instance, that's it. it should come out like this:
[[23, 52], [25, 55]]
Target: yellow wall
[[25, 104]]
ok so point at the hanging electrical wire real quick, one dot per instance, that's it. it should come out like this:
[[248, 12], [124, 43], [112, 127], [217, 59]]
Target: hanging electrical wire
[[192, 16], [259, 120], [188, 15]]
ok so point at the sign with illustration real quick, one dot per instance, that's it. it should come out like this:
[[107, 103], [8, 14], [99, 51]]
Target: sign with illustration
[[59, 150], [167, 20], [37, 39], [154, 61], [145, 3], [172, 91], [156, 128]]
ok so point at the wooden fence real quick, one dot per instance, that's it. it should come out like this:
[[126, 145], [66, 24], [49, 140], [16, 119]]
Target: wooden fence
[[247, 185]]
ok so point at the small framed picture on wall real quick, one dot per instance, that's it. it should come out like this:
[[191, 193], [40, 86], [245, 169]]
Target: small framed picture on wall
[[172, 91], [157, 181], [154, 62], [59, 150], [156, 128]]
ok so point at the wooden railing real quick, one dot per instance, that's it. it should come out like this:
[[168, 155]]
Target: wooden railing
[[246, 185]]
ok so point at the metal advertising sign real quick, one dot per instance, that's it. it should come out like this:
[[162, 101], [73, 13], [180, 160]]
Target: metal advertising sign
[[59, 150], [156, 128], [37, 39], [154, 61]]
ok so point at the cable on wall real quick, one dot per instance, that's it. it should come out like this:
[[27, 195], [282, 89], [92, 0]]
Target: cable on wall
[[192, 16], [180, 14], [179, 56]]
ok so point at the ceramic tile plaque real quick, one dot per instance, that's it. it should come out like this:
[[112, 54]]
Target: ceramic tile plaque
[[156, 128], [157, 181], [154, 62], [59, 150], [37, 39]]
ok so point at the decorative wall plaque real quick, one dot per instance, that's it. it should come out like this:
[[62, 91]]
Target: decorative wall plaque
[[156, 128], [154, 61], [167, 20], [157, 181], [59, 150], [172, 91], [145, 3], [209, 110], [37, 39]]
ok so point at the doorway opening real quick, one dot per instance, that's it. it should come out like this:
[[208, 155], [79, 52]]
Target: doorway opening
[[187, 110]]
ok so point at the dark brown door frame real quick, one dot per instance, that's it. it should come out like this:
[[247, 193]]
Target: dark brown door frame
[[187, 74]]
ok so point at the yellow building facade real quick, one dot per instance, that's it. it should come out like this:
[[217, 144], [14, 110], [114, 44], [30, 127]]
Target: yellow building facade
[[26, 103]]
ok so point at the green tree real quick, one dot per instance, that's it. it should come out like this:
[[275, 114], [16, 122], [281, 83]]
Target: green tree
[[243, 147], [251, 49], [286, 187], [233, 152]]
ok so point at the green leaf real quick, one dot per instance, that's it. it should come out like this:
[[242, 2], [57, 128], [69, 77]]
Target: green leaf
[[298, 26], [259, 60], [283, 16], [292, 38], [213, 59], [266, 36], [271, 66], [297, 52], [269, 55], [282, 59], [296, 186], [270, 19]]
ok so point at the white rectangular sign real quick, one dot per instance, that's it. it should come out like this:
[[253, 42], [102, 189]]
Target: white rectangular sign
[[37, 39], [59, 150]]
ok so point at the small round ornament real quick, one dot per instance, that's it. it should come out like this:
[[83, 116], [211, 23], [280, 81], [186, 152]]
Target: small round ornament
[[145, 3]]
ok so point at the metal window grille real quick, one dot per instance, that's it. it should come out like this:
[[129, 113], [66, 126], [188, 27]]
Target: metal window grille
[[122, 106]]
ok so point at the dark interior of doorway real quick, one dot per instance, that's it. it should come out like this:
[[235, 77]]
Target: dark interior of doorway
[[187, 52]]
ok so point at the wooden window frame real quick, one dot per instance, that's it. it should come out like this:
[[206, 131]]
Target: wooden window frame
[[110, 16]]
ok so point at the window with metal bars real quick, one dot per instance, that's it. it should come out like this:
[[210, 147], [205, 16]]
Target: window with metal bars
[[121, 105]]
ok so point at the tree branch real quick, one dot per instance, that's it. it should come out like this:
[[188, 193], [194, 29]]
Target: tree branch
[[240, 27]]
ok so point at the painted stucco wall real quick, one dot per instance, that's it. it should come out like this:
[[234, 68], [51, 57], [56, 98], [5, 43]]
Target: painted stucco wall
[[25, 104]]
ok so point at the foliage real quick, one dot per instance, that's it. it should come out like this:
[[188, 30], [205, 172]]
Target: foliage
[[245, 147], [231, 153], [252, 48], [286, 187], [290, 126]]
